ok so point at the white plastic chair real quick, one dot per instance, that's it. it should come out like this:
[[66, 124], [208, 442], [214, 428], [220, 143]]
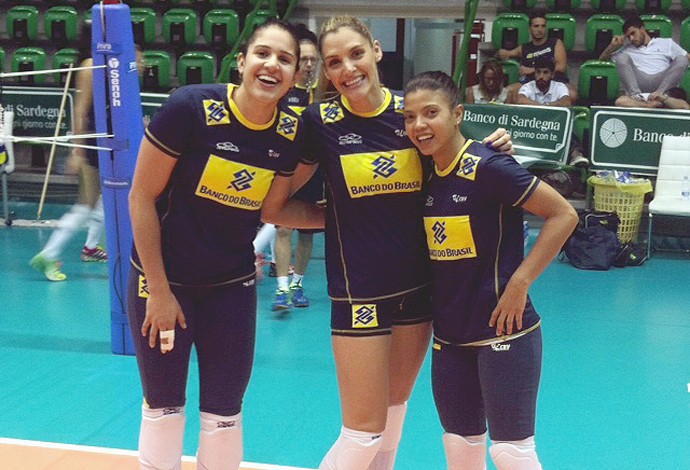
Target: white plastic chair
[[674, 165]]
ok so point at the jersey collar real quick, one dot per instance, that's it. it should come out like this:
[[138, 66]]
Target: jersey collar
[[240, 117], [386, 101], [455, 161]]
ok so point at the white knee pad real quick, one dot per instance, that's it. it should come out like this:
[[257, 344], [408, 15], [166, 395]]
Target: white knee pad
[[515, 455], [385, 457], [465, 453], [161, 438], [354, 450], [220, 442]]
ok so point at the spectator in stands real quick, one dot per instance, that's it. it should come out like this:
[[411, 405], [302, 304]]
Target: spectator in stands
[[540, 46], [674, 98], [544, 91], [490, 88], [647, 66]]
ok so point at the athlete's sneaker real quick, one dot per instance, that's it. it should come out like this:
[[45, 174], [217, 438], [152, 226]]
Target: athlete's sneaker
[[95, 255], [51, 269], [282, 300], [299, 299]]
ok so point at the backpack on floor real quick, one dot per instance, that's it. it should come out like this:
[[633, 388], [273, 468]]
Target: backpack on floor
[[594, 244]]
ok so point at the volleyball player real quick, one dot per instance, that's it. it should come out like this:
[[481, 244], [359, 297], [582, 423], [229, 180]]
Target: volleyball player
[[487, 346], [214, 159], [377, 269], [84, 163]]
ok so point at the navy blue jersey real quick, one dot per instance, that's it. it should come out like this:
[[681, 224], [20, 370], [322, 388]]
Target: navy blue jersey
[[225, 166], [375, 245], [298, 98], [473, 222]]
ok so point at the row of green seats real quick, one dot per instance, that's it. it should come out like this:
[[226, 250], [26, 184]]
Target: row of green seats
[[192, 66], [605, 6], [221, 27], [512, 29], [60, 23]]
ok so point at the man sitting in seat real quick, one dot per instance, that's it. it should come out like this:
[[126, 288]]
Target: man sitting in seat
[[648, 67], [545, 91], [540, 46]]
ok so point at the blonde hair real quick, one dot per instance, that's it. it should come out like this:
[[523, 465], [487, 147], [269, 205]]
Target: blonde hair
[[325, 88], [334, 23]]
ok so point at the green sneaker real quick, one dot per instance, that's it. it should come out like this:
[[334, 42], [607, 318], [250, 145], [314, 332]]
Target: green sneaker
[[51, 269]]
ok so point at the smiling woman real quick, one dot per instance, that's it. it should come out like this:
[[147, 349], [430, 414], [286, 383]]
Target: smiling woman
[[226, 166], [480, 282], [379, 287]]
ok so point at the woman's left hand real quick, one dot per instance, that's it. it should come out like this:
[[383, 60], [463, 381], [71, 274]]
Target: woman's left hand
[[509, 310], [500, 140]]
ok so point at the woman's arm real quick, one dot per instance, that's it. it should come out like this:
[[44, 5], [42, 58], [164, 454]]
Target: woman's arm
[[279, 209], [151, 176], [559, 221]]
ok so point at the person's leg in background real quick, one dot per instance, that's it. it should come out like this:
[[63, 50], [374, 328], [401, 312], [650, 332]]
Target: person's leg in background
[[303, 251], [265, 237], [48, 259], [282, 256]]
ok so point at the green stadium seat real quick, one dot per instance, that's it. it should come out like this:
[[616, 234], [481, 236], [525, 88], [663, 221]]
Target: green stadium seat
[[221, 28], [519, 5], [653, 6], [2, 59], [599, 30], [269, 5], [29, 58], [143, 25], [563, 5], [22, 23], [598, 83], [156, 76], [608, 6], [228, 70], [62, 60], [258, 17], [510, 30], [658, 26], [581, 120], [511, 71], [61, 24], [562, 26], [195, 67], [685, 34], [180, 26]]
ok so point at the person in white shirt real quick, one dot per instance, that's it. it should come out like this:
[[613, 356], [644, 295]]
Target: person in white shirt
[[543, 90], [647, 66]]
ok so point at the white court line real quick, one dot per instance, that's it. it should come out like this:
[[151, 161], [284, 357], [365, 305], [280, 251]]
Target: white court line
[[31, 223], [106, 450]]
